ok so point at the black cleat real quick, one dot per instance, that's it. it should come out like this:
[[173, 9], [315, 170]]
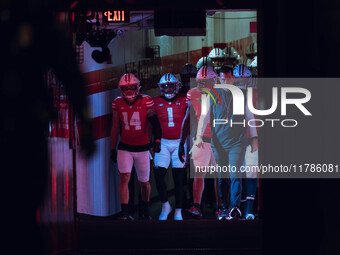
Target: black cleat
[[225, 213], [125, 216], [143, 217]]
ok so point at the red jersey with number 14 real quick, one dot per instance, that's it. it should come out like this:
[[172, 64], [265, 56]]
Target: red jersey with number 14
[[133, 119], [171, 115]]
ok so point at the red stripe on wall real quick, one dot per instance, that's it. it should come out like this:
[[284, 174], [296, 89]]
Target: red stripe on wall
[[174, 63], [195, 55], [93, 77], [101, 126], [220, 45], [205, 51], [103, 80], [253, 27], [108, 78], [101, 87]]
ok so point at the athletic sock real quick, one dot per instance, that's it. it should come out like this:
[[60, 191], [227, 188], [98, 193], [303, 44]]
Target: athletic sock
[[198, 206], [243, 206], [178, 214], [251, 192], [177, 174], [160, 173], [250, 204], [145, 208]]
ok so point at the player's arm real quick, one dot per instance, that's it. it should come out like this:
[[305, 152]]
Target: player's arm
[[184, 133], [193, 124], [252, 131], [114, 135], [202, 124], [156, 127], [185, 130]]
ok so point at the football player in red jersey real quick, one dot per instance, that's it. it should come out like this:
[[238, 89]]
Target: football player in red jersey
[[188, 74], [170, 108], [131, 112], [204, 157]]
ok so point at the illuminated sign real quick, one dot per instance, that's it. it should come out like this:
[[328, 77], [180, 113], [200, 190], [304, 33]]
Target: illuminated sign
[[116, 16]]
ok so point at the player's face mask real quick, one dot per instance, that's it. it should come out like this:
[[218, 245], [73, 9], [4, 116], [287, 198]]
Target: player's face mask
[[217, 62], [226, 78], [130, 91], [205, 83], [242, 82], [169, 90]]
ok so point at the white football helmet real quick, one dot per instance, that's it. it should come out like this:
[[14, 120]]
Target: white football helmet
[[206, 76], [231, 56], [129, 86], [251, 49], [204, 61], [230, 52], [217, 57], [253, 63], [216, 53], [169, 85]]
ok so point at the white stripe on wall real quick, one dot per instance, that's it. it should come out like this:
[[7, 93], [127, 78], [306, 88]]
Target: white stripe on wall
[[97, 182], [101, 103]]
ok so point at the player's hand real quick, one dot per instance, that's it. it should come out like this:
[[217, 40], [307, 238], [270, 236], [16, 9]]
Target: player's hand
[[254, 144], [156, 147], [113, 155], [181, 152], [199, 142]]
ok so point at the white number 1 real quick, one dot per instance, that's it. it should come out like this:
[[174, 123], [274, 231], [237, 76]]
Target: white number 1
[[171, 118], [134, 121]]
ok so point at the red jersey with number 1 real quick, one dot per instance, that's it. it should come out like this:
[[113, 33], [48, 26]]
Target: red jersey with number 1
[[133, 119], [171, 115]]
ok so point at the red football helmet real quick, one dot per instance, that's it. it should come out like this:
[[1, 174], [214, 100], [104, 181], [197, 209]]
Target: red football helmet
[[129, 86], [206, 77]]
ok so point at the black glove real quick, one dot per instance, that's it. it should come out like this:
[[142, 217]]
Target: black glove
[[114, 155], [157, 146], [181, 152]]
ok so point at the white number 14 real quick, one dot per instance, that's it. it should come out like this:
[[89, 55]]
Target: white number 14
[[134, 121]]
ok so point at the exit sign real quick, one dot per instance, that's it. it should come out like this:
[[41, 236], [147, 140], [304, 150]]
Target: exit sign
[[116, 16]]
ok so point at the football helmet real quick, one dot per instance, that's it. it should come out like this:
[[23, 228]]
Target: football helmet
[[242, 76], [206, 76], [241, 71], [231, 56], [226, 75], [187, 72], [253, 63], [129, 86], [204, 61], [217, 57], [216, 53], [251, 50], [169, 85]]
